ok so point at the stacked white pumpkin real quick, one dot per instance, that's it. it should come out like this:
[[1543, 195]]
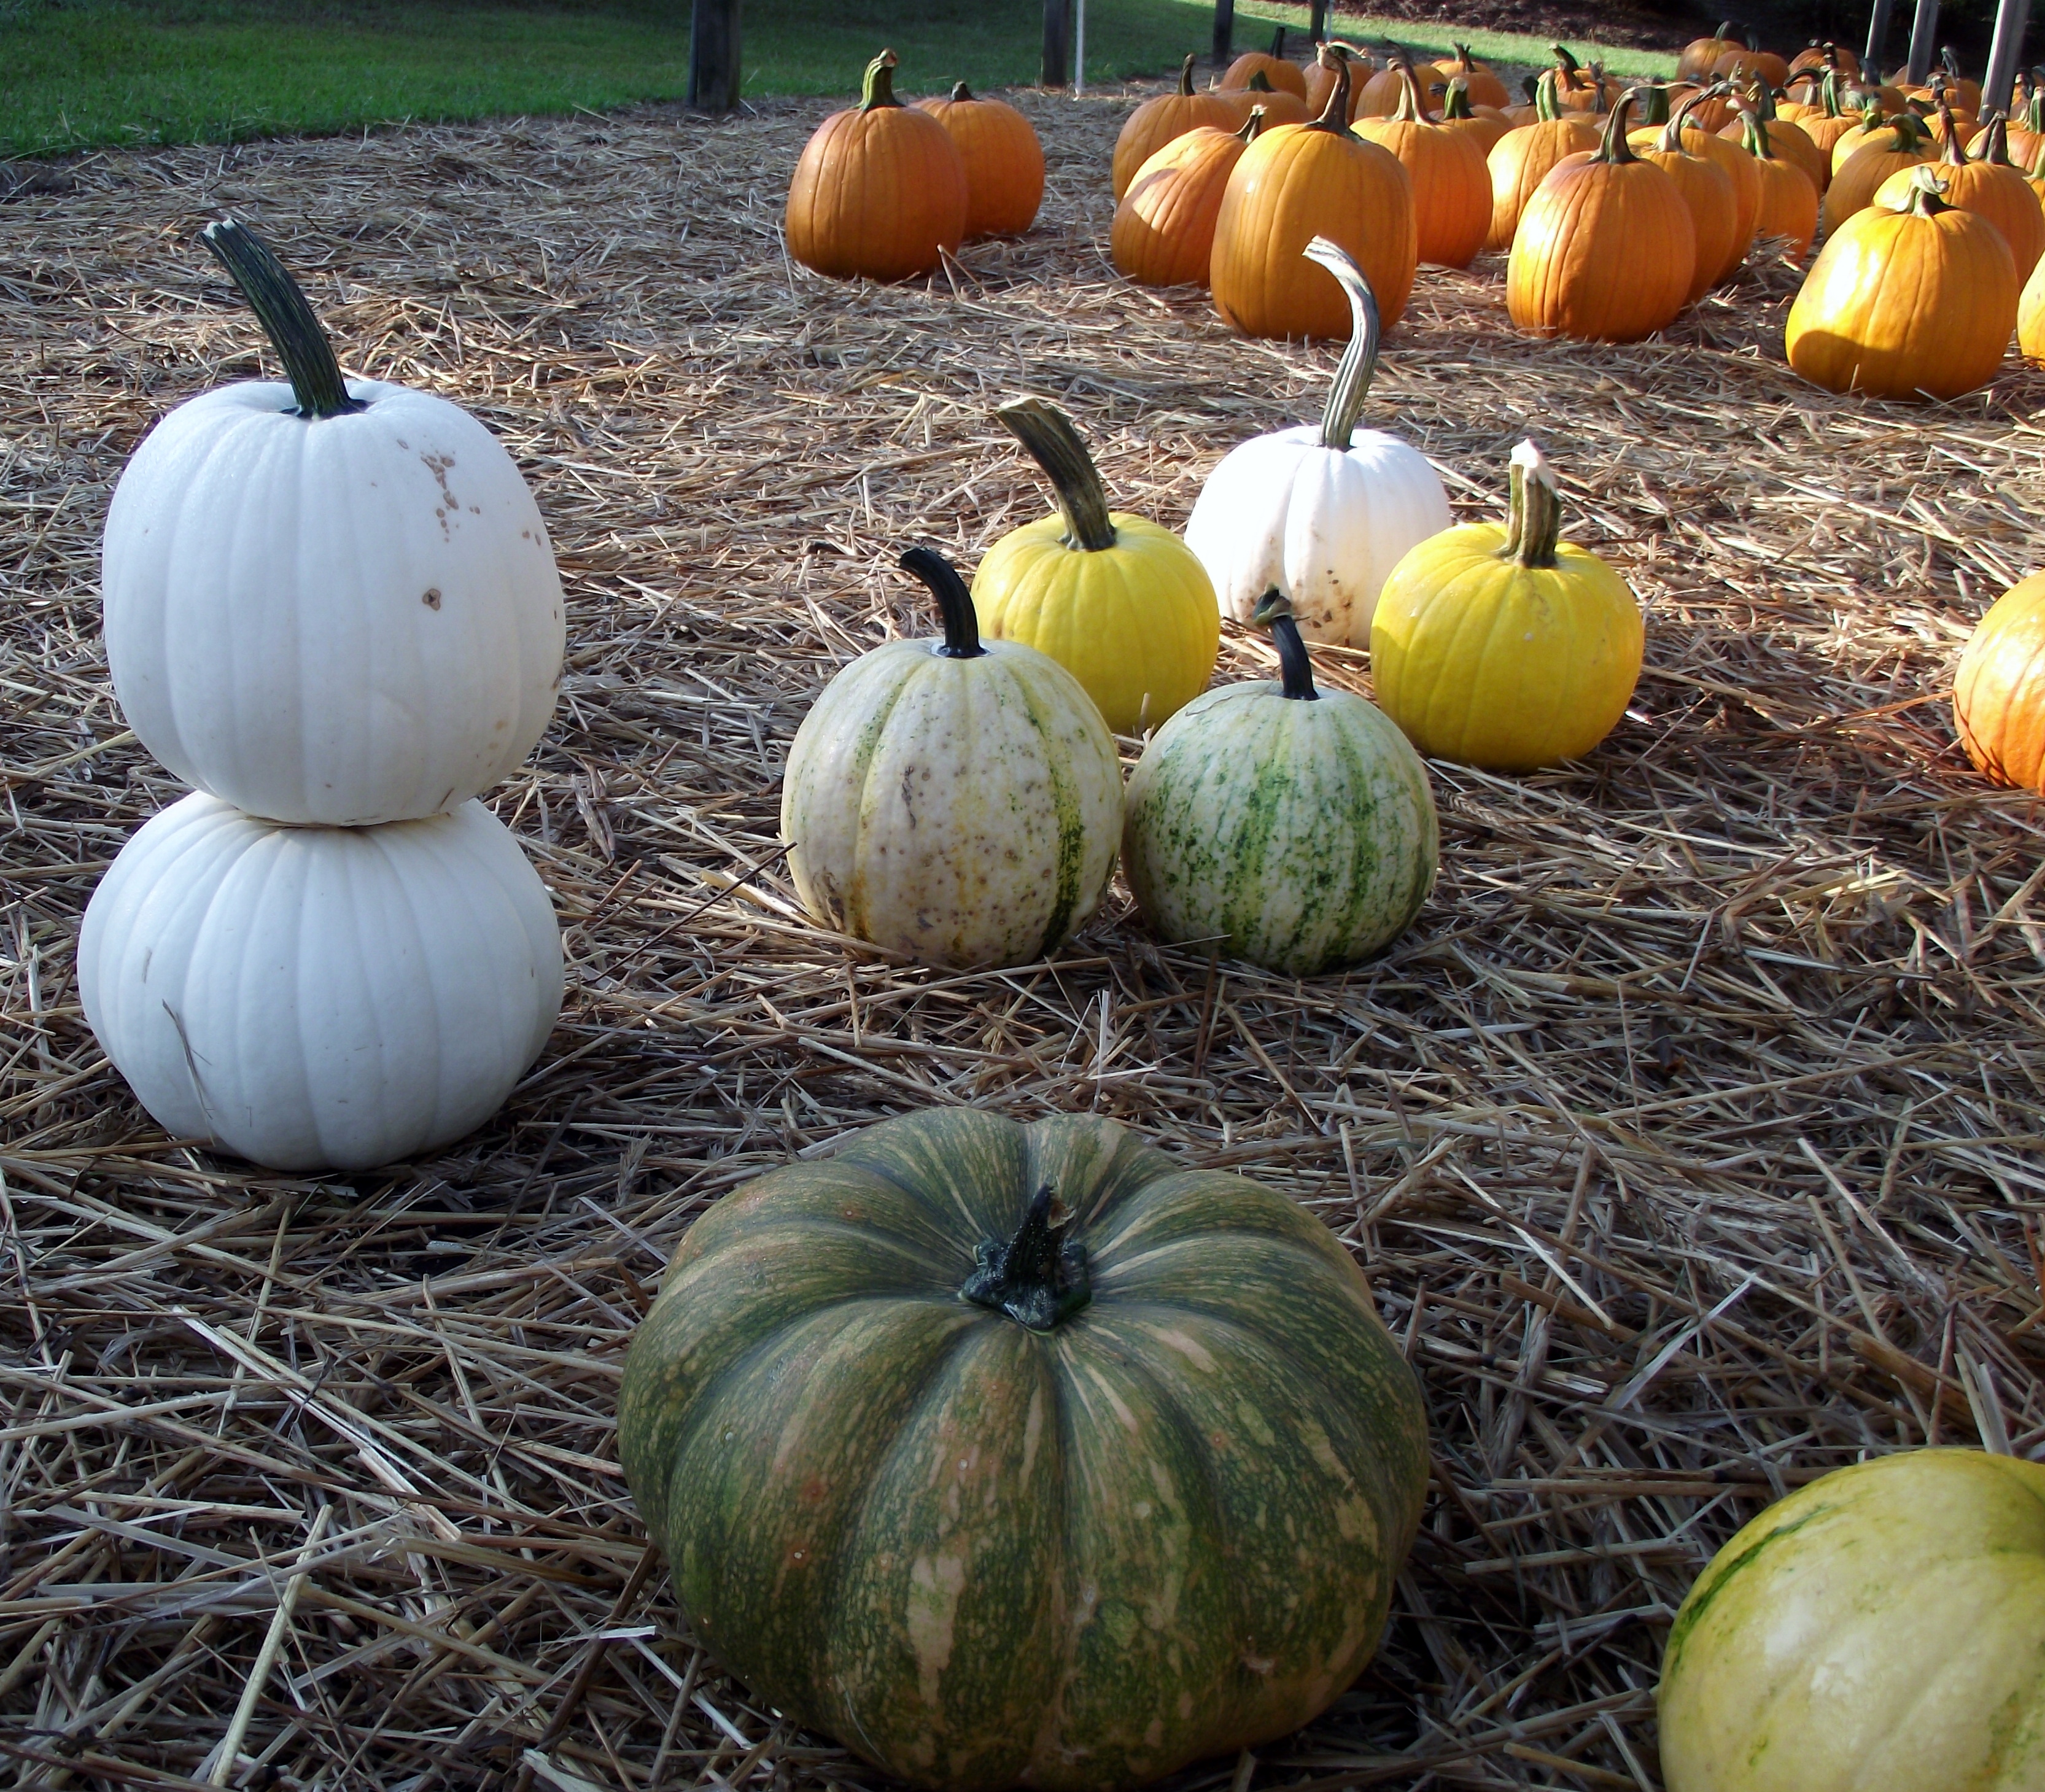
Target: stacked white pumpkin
[[332, 608]]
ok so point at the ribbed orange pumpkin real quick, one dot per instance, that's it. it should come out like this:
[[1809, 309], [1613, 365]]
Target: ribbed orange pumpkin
[[1157, 122], [1519, 160], [1903, 143], [1284, 76], [1823, 57], [1787, 138], [1994, 189], [1751, 64], [1871, 125], [1605, 248], [1999, 691], [1483, 125], [1451, 181], [879, 190], [1683, 130], [1486, 88], [1905, 304], [1700, 56], [1163, 233], [1379, 96], [2026, 128], [1707, 189], [1279, 107], [1789, 208], [1004, 162], [1825, 122], [1294, 184]]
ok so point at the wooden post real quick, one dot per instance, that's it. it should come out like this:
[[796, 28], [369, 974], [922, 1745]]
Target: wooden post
[[2010, 18], [1317, 22], [1923, 28], [1057, 68], [1224, 33], [1877, 39], [713, 55]]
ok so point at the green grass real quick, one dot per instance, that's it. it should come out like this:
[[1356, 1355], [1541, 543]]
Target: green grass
[[79, 74]]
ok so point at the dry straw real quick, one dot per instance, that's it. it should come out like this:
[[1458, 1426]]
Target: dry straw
[[1691, 1138]]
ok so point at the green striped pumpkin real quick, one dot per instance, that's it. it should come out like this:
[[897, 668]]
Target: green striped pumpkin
[[956, 801], [1295, 825], [1018, 1454]]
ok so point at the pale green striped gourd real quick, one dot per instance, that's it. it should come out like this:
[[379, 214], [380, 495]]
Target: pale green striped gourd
[[1294, 827]]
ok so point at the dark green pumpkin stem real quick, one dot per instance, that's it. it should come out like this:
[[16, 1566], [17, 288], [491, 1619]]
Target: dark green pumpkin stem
[[1054, 445], [1334, 111], [1038, 1277], [1259, 82], [1754, 135], [1671, 139], [960, 93], [878, 88], [1278, 44], [1274, 611], [287, 319], [1564, 61], [1186, 78], [954, 601], [1359, 360], [1653, 105], [1534, 520], [1615, 149]]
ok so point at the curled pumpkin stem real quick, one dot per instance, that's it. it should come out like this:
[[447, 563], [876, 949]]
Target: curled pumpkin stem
[[961, 621], [1295, 666]]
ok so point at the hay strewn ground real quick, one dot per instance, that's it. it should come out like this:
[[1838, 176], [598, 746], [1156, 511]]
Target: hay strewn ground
[[1691, 1138]]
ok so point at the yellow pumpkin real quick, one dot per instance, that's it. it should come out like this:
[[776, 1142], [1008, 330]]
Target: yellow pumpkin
[[1883, 1627], [1998, 691], [1498, 645], [1121, 604]]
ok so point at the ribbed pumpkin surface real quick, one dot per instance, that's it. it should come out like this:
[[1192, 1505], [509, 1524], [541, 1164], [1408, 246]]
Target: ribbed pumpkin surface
[[1999, 691], [1163, 232], [1004, 162], [1157, 122], [1520, 162], [982, 1554]]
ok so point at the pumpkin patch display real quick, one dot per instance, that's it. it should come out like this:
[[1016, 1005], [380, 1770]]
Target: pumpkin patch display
[[1684, 132], [1884, 1626], [1024, 1455], [1122, 604], [1900, 144], [319, 998], [1004, 162], [1323, 513], [1999, 691], [956, 800], [1700, 56], [1708, 190], [1294, 825], [329, 601], [1500, 645], [1158, 122], [1163, 232], [879, 190], [1915, 301]]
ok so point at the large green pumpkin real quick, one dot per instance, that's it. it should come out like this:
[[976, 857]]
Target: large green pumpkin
[[1018, 1454]]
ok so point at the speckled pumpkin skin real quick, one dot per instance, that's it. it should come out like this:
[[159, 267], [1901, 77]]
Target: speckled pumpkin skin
[[983, 1556]]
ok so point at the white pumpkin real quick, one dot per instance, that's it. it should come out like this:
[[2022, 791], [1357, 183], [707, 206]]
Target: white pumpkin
[[1297, 825], [957, 800], [329, 601], [1324, 513], [318, 998]]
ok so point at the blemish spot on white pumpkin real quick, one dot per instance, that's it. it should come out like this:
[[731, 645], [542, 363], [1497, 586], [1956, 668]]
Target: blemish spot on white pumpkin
[[935, 1584], [431, 599]]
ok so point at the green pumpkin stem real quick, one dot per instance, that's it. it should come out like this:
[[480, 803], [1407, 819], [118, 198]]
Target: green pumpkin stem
[[1653, 105], [1754, 135], [1359, 360], [1047, 433], [1534, 518], [1037, 1277], [1252, 126], [1186, 78], [954, 601], [287, 319], [1547, 97], [1274, 611], [1926, 197], [1259, 82], [1456, 102], [878, 89], [1614, 149], [1670, 141], [1993, 143]]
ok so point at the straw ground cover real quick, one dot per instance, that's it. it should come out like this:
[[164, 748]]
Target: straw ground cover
[[1690, 1139]]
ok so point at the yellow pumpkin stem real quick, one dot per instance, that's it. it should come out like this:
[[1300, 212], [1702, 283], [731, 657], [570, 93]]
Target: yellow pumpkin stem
[[1533, 520], [879, 88], [1359, 360], [1048, 435]]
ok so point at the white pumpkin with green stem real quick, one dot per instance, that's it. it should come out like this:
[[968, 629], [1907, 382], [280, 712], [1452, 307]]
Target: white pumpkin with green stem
[[1297, 824], [332, 601], [1323, 513], [319, 998], [959, 801]]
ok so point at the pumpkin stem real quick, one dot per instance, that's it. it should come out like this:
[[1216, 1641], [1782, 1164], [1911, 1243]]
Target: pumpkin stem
[[1464, 61], [1653, 105], [1615, 149], [1278, 44], [1054, 445], [1547, 97], [960, 93], [1670, 142], [287, 319], [1038, 1277], [1534, 517], [1274, 611], [1456, 102], [1994, 143], [1259, 82], [1754, 135], [1186, 78], [1359, 360], [878, 88], [954, 602], [1251, 126], [1412, 106], [1335, 113], [1926, 197], [1954, 153]]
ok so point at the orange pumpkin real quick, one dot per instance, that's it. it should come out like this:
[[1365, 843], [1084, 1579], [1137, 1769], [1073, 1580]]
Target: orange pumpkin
[[1163, 233], [1700, 55], [1708, 190], [1577, 89], [1157, 122], [1903, 143], [1483, 125], [1750, 64], [1486, 88], [1379, 96], [1519, 160], [1994, 189], [1004, 162], [1684, 132], [1999, 691], [1279, 108], [1294, 184], [1284, 76], [1871, 126], [1451, 181], [2026, 127], [1789, 208], [2031, 315], [1605, 249], [1822, 56], [879, 190], [1919, 301], [1786, 137], [1825, 122]]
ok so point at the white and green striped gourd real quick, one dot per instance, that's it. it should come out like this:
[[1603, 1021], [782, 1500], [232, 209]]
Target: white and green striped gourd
[[1295, 824]]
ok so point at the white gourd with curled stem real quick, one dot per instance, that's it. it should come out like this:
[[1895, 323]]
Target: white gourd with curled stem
[[1324, 514]]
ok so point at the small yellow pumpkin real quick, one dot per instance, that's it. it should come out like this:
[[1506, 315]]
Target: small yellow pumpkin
[[1123, 604], [1500, 646]]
